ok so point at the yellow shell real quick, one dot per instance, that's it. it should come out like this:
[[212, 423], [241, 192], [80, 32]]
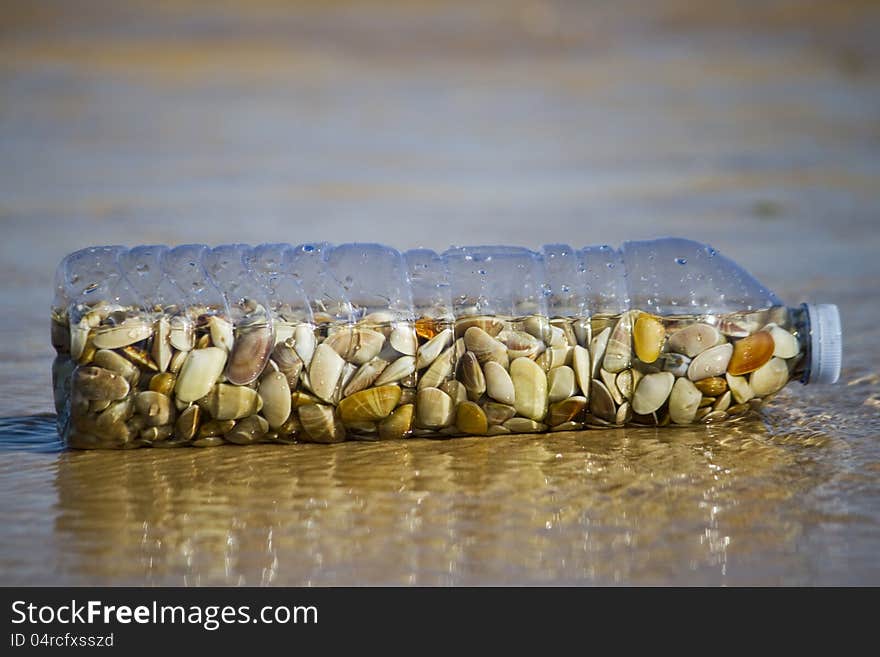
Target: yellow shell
[[398, 424], [470, 419], [648, 336], [369, 405]]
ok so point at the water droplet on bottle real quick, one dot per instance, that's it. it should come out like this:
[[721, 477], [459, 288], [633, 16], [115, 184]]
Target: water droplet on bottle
[[565, 288], [481, 272], [711, 251], [610, 265], [681, 261], [308, 248]]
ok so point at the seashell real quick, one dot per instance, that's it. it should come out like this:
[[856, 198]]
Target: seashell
[[96, 383], [319, 422], [648, 336], [738, 326], [693, 340], [712, 362], [785, 345], [300, 398], [403, 339], [130, 331], [555, 357], [429, 351], [439, 371], [250, 353], [98, 406], [79, 335], [524, 425], [324, 371], [369, 405], [117, 413], [499, 385], [248, 431], [156, 434], [557, 338], [112, 361], [566, 410], [560, 384], [288, 363], [398, 424], [723, 402], [651, 392], [230, 402], [714, 416], [581, 362], [204, 341], [672, 362], [155, 407], [769, 378], [713, 386], [485, 347], [222, 334], [348, 372], [434, 408], [738, 409], [428, 327], [520, 344], [624, 414], [163, 382], [356, 345], [471, 374], [568, 334], [304, 343], [460, 349], [498, 413], [498, 430], [283, 332], [139, 357], [538, 327], [215, 428], [208, 441], [739, 386], [582, 331], [365, 376], [177, 361], [751, 353], [88, 352], [187, 423], [490, 325], [568, 426], [597, 350], [625, 384], [455, 389], [684, 400], [470, 419], [275, 393], [601, 402], [707, 401], [530, 385], [290, 427], [199, 372], [610, 381], [618, 352], [180, 333], [161, 350], [399, 369]]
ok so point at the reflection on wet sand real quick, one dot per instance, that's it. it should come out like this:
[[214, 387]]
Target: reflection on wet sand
[[598, 506]]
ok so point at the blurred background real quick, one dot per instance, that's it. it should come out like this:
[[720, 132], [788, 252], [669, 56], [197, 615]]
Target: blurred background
[[752, 125]]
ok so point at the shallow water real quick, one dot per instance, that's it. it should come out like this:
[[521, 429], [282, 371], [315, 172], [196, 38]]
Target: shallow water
[[132, 124]]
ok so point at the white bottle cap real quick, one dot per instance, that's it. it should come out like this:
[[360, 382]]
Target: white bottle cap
[[826, 343]]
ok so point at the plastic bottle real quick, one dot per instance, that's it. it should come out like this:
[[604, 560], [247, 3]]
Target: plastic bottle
[[232, 344]]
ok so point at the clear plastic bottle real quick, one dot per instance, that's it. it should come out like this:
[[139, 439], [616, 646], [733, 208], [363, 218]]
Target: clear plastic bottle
[[199, 346]]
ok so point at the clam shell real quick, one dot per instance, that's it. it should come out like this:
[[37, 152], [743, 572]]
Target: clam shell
[[230, 402], [365, 376], [247, 431], [199, 372], [140, 357], [369, 405], [723, 402], [161, 350], [117, 413], [215, 428], [324, 371], [498, 413], [399, 369], [530, 386], [672, 362], [455, 389], [439, 371], [694, 339], [554, 357], [618, 352], [429, 351], [597, 350], [471, 374], [155, 407], [187, 423], [751, 353], [398, 424], [434, 408], [319, 422], [356, 345], [520, 344], [565, 410], [156, 434], [557, 338], [275, 393], [79, 335], [499, 385], [485, 347], [581, 362], [181, 334], [524, 425], [568, 426], [96, 383], [560, 383], [684, 400], [288, 363], [785, 345], [222, 332], [652, 392], [769, 378], [250, 353], [177, 361], [739, 386], [538, 327], [471, 420], [283, 332], [711, 362], [610, 381], [403, 339], [490, 325], [625, 384], [624, 414], [498, 430], [582, 331], [112, 361], [601, 402], [713, 386], [304, 343], [163, 382], [130, 331], [648, 337]]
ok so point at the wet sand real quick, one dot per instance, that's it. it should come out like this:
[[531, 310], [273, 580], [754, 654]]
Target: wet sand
[[754, 127]]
